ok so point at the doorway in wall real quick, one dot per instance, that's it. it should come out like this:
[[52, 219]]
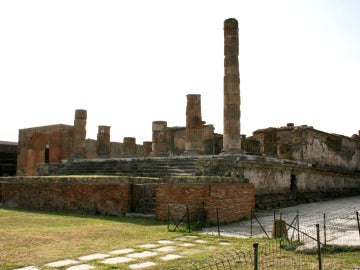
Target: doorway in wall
[[47, 154]]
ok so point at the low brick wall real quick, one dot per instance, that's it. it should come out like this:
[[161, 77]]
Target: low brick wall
[[115, 195], [69, 195], [234, 201]]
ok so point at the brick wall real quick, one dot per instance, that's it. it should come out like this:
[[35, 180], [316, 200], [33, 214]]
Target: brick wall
[[233, 200], [70, 196]]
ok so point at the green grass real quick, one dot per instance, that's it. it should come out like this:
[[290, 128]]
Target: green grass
[[34, 238]]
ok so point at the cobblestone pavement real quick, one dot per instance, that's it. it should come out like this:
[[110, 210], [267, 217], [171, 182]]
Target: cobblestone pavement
[[339, 215]]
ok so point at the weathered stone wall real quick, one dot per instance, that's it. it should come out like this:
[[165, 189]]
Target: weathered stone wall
[[279, 183], [307, 144], [329, 149], [33, 142], [233, 200]]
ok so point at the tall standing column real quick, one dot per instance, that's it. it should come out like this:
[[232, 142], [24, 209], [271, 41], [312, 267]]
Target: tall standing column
[[231, 137], [193, 136], [103, 142], [79, 134]]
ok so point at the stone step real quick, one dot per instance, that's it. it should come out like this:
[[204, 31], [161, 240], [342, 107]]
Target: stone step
[[133, 167]]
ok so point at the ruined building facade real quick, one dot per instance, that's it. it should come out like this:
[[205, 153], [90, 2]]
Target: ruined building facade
[[273, 167]]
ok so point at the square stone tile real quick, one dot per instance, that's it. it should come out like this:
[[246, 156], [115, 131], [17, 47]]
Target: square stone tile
[[169, 257], [165, 249], [141, 265], [95, 256], [122, 251], [143, 254], [224, 243], [200, 241], [148, 246], [165, 242], [81, 267], [62, 263], [186, 244], [117, 260]]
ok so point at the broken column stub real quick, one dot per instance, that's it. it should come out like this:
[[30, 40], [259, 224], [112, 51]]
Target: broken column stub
[[79, 134], [159, 138], [103, 142], [193, 135], [231, 137], [129, 146], [147, 146]]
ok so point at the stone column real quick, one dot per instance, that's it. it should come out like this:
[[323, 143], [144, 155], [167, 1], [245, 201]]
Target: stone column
[[103, 142], [231, 137], [147, 146], [208, 140], [79, 134], [129, 146], [159, 139], [193, 135]]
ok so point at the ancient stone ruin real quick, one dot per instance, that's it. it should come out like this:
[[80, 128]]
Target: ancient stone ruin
[[183, 165]]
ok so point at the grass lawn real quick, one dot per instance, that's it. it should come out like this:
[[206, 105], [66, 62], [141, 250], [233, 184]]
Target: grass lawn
[[34, 238]]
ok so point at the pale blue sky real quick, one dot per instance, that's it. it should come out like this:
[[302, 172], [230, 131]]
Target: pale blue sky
[[129, 63]]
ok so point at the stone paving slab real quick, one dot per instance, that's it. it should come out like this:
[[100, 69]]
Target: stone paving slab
[[117, 260], [200, 241], [141, 265], [165, 249], [81, 267], [122, 251], [95, 256], [28, 268], [143, 254], [169, 257], [166, 242], [62, 263], [186, 244], [148, 246]]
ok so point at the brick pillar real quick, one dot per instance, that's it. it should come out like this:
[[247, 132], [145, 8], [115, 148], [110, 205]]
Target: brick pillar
[[103, 142], [159, 139], [231, 138], [193, 135], [147, 146], [79, 134], [129, 146]]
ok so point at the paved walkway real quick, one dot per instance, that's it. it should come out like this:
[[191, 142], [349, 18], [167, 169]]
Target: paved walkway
[[339, 215], [138, 257]]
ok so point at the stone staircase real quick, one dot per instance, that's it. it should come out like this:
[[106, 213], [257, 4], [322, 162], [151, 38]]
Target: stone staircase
[[147, 167]]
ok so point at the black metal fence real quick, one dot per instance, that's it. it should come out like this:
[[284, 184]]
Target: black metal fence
[[296, 240]]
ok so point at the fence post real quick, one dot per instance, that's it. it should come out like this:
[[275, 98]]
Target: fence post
[[256, 256], [318, 245], [217, 220], [357, 217], [251, 222], [168, 217], [298, 225], [324, 230]]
